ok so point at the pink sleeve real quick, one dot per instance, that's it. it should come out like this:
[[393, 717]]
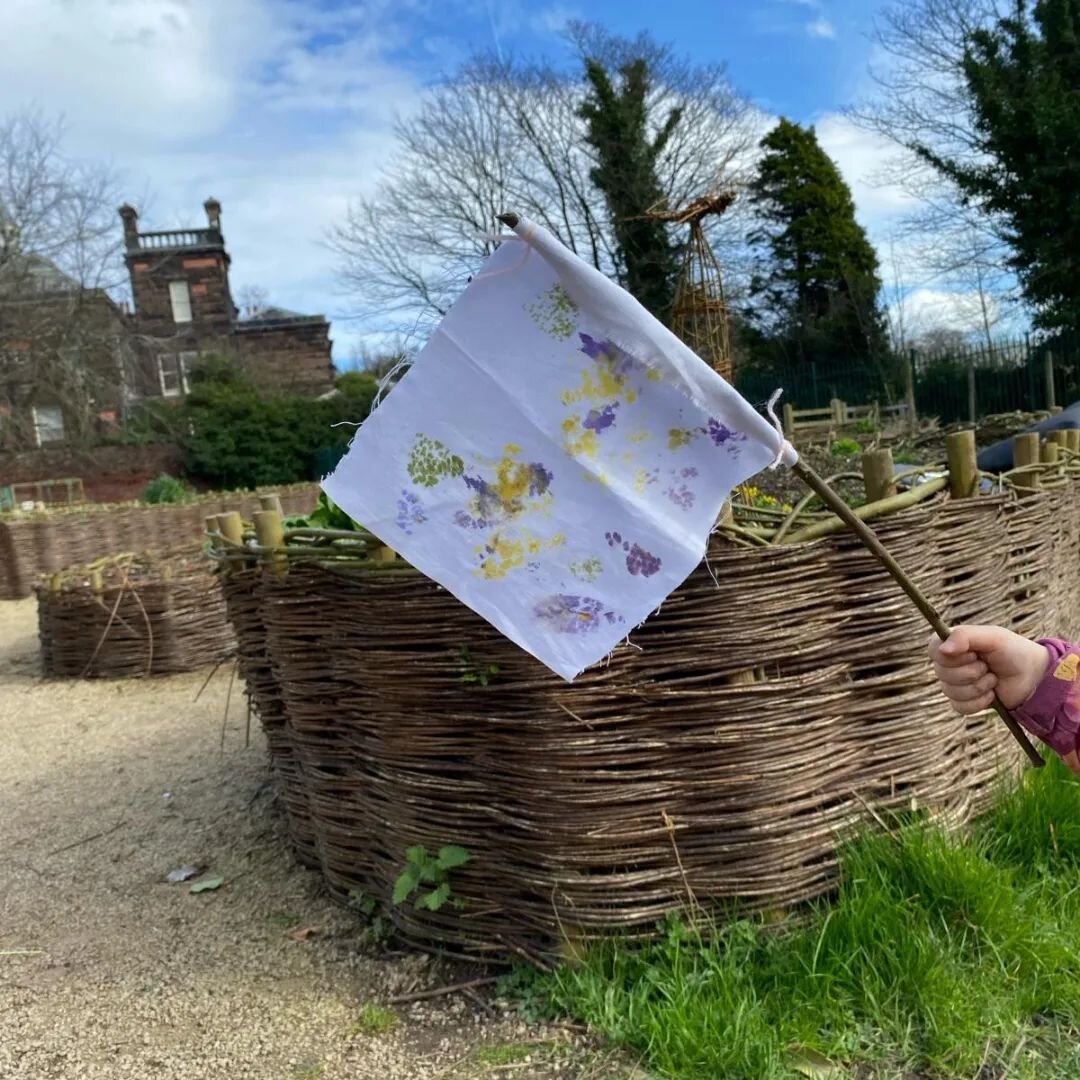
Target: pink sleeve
[[1053, 711]]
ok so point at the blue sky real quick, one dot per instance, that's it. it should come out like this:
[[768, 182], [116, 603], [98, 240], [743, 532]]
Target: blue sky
[[284, 109]]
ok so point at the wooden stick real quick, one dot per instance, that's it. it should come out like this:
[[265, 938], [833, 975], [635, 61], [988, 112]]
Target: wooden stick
[[914, 594], [864, 513], [441, 991]]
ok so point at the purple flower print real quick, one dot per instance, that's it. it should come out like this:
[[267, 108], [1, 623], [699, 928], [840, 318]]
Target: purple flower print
[[682, 496], [487, 504], [622, 362], [567, 614], [539, 479], [466, 521], [640, 561], [600, 419], [613, 539], [410, 512], [722, 435], [688, 473]]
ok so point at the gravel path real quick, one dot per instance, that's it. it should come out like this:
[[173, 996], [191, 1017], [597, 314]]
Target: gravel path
[[108, 971]]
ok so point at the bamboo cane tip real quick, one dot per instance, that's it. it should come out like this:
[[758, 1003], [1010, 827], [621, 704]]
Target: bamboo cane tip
[[509, 220]]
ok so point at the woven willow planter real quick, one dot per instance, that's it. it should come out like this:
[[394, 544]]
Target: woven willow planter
[[763, 714], [131, 616], [48, 541]]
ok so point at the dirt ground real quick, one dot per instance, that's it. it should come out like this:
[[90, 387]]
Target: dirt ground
[[109, 971]]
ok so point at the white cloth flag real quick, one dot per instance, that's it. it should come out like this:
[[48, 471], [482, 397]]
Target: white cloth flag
[[555, 457]]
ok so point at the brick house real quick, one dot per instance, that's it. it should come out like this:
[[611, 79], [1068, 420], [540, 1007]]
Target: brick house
[[183, 306], [66, 356], [73, 361]]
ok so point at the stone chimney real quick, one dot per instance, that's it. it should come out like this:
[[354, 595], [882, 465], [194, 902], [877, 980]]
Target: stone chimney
[[213, 214], [130, 217]]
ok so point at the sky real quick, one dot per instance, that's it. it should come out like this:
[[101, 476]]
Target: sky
[[284, 109]]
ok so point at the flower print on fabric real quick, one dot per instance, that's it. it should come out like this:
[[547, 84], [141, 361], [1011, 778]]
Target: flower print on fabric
[[566, 614], [554, 312], [410, 512], [604, 386], [430, 462], [638, 560], [680, 492], [495, 506]]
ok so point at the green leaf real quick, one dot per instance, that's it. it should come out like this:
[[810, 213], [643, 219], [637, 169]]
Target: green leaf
[[452, 856], [207, 884], [436, 898], [404, 886], [417, 856]]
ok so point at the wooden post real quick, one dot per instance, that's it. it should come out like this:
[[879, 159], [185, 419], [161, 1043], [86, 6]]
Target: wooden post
[[909, 394], [270, 532], [272, 502], [231, 526], [972, 403], [1048, 369], [963, 469], [384, 554], [212, 527], [55, 584], [1049, 453], [1074, 439], [878, 473], [1025, 453], [789, 420], [1060, 438], [96, 582], [839, 412]]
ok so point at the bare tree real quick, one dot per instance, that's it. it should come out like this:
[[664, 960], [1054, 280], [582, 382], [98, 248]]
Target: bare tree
[[505, 135], [62, 347], [921, 101], [254, 301]]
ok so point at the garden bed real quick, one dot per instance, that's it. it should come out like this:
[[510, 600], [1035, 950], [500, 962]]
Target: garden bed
[[133, 615], [781, 696]]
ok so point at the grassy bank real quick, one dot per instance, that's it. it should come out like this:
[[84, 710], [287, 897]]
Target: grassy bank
[[937, 957]]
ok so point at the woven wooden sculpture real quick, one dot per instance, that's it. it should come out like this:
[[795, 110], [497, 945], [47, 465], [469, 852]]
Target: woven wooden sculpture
[[700, 314]]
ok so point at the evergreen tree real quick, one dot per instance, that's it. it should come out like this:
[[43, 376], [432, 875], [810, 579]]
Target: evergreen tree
[[617, 128], [1023, 83], [817, 293]]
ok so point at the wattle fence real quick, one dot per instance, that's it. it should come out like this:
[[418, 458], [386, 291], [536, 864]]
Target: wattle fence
[[781, 697]]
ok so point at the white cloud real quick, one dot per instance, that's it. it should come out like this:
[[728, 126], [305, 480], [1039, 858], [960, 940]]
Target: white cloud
[[821, 28], [864, 159], [274, 107], [923, 310]]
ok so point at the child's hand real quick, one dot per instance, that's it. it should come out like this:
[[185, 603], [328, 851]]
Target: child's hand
[[976, 661]]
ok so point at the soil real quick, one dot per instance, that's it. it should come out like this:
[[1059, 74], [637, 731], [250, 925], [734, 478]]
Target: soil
[[108, 971]]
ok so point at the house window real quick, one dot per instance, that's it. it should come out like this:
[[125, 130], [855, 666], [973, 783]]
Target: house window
[[48, 424], [180, 298], [173, 369]]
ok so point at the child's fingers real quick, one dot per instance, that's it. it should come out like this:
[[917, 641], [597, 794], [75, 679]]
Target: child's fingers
[[971, 691], [964, 674], [941, 653], [975, 705]]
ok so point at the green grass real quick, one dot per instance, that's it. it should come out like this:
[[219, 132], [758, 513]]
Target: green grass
[[936, 957], [374, 1020], [503, 1053]]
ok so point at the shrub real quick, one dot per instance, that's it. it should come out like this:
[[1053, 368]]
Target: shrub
[[166, 489], [239, 437]]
